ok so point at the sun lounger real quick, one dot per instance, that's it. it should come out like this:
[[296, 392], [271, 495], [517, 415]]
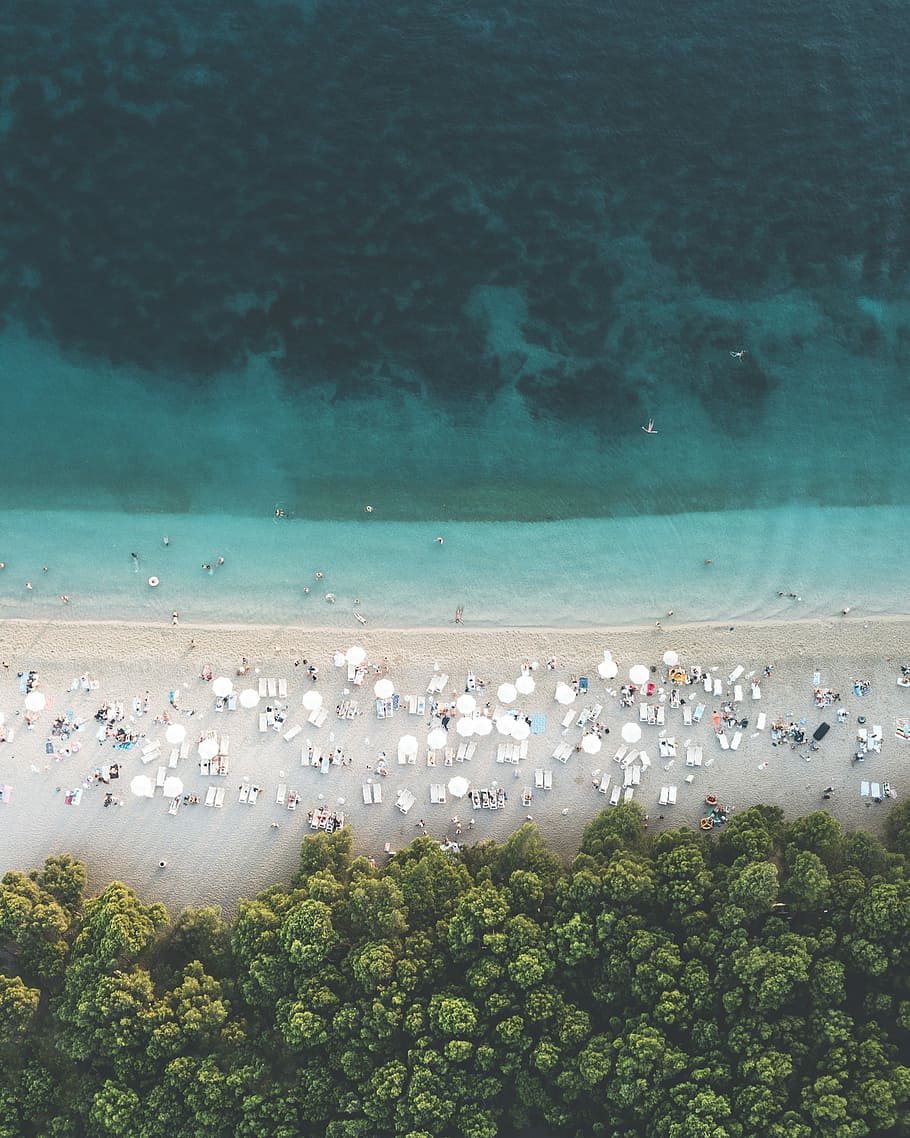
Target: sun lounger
[[718, 689], [756, 689], [687, 715], [664, 797], [615, 795], [254, 794], [272, 686], [636, 775], [377, 792], [693, 756], [538, 780], [175, 757], [405, 801], [282, 689], [661, 715], [582, 685], [437, 794], [548, 780], [875, 790], [465, 752], [667, 747], [263, 687], [292, 733], [672, 796], [567, 721], [232, 701], [876, 737], [736, 740], [219, 797], [263, 722], [437, 683], [736, 673], [224, 747], [185, 749], [760, 721], [708, 683], [210, 796], [604, 785], [620, 754], [417, 705], [317, 716], [723, 740], [160, 777], [281, 794], [367, 791], [245, 792], [645, 760], [698, 713], [643, 712], [149, 750], [864, 789], [738, 693], [563, 752], [628, 794], [174, 806]]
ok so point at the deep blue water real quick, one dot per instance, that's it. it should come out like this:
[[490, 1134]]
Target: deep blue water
[[448, 258]]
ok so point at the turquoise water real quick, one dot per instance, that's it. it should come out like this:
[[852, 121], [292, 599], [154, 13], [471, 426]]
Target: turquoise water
[[448, 266]]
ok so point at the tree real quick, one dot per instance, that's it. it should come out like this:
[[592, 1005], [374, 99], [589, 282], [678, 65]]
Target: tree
[[64, 878], [808, 886], [18, 1005], [754, 888]]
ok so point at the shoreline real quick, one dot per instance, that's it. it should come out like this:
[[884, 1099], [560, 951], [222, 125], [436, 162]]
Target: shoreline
[[218, 856]]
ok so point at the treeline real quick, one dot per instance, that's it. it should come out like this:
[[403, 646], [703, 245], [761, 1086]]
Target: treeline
[[664, 984]]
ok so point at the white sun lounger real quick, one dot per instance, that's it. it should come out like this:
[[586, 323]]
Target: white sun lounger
[[708, 683], [664, 797], [687, 715], [756, 689], [718, 688], [292, 733], [148, 750], [437, 794], [864, 789], [615, 795], [263, 722], [761, 721], [254, 794], [736, 740], [417, 705], [723, 740], [160, 777], [367, 791], [875, 790], [272, 685], [569, 718], [698, 713], [210, 796], [282, 689], [736, 673], [645, 759], [263, 687], [620, 754], [643, 713], [604, 785], [317, 717], [693, 756], [405, 801], [281, 796], [174, 806], [628, 794], [219, 797], [738, 693], [563, 752], [437, 683], [538, 780], [377, 792], [175, 757], [672, 796], [185, 749], [245, 792], [548, 780], [224, 747]]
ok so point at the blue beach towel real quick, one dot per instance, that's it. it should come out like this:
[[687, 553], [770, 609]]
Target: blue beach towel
[[538, 724]]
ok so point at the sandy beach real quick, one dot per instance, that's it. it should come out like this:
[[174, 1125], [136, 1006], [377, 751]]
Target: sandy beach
[[217, 855]]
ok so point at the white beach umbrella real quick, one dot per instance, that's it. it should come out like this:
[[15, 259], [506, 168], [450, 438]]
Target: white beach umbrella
[[222, 686], [355, 655], [505, 724], [407, 743], [142, 786], [458, 786], [564, 694], [465, 727], [312, 699], [35, 701], [173, 787], [631, 732], [384, 688], [607, 669], [466, 704], [249, 697], [506, 693], [175, 734], [525, 685], [521, 730], [483, 726], [591, 744], [671, 658], [437, 738], [208, 748], [639, 673]]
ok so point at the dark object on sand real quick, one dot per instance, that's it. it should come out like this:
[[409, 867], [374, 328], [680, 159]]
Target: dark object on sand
[[821, 731]]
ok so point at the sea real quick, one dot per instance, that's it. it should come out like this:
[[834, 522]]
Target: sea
[[374, 302]]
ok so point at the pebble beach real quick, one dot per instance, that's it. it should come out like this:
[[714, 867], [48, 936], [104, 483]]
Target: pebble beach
[[156, 675]]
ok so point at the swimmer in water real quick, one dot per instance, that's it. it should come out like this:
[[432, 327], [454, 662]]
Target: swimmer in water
[[330, 598], [650, 429], [739, 355], [319, 574], [440, 541], [166, 540], [368, 509], [279, 513]]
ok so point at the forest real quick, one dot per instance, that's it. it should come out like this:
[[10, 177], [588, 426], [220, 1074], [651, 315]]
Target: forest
[[662, 984]]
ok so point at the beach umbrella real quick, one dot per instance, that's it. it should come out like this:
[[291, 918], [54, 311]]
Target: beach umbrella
[[505, 724], [355, 655], [458, 786], [631, 732], [506, 693], [208, 748], [564, 694], [142, 787], [249, 697], [384, 688], [465, 727], [483, 725], [521, 730], [173, 787], [607, 669], [407, 743], [175, 734], [466, 704], [312, 700], [437, 738], [671, 658], [639, 673], [35, 701], [222, 686], [591, 744], [525, 685]]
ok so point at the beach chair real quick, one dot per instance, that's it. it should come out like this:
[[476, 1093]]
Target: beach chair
[[582, 685], [150, 750], [664, 797], [645, 760], [643, 712], [185, 749], [708, 683], [738, 693], [567, 720], [254, 795], [736, 740], [224, 747], [723, 740], [272, 687], [292, 733], [761, 721], [174, 806], [628, 794], [219, 797], [736, 673], [876, 738], [232, 701], [263, 722], [263, 687], [160, 777], [282, 689], [672, 796], [687, 716], [756, 689], [205, 767], [620, 754], [210, 796], [367, 791], [698, 713], [615, 795], [245, 792], [175, 757], [636, 775], [864, 789], [563, 753], [660, 715], [604, 785], [405, 801], [432, 758], [282, 794], [317, 716], [548, 780], [693, 756], [875, 790], [437, 794], [377, 792], [718, 689], [538, 780]]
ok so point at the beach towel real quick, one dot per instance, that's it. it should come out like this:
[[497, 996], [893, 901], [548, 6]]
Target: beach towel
[[538, 724]]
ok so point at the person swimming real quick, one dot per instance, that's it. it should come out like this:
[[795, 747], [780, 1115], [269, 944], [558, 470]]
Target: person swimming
[[650, 429]]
